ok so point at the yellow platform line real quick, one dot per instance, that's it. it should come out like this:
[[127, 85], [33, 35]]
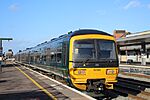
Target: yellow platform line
[[37, 84]]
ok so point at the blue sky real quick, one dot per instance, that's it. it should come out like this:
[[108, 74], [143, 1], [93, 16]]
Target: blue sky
[[30, 22]]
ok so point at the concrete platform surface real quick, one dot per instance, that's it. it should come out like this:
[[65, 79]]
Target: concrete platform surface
[[15, 86], [20, 83]]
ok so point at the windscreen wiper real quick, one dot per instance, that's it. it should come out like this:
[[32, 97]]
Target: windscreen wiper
[[84, 62]]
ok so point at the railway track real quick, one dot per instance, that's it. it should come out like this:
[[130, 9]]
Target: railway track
[[125, 88], [130, 88]]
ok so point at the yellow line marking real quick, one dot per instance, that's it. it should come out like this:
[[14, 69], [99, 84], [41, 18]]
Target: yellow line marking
[[37, 84]]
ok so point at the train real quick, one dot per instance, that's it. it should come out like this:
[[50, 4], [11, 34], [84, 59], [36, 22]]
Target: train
[[86, 58]]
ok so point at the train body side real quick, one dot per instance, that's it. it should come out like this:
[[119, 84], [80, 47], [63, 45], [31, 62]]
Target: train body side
[[52, 55]]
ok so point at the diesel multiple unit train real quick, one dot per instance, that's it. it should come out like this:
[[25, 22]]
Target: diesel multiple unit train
[[87, 59]]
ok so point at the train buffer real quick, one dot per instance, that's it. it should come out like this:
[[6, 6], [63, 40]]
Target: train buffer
[[20, 83]]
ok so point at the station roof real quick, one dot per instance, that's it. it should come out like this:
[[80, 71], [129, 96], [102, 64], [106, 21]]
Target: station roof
[[5, 38], [135, 38]]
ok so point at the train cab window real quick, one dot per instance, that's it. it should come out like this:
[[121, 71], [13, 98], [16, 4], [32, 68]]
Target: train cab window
[[94, 49], [84, 49], [106, 49]]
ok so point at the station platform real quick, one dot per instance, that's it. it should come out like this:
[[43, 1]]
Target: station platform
[[135, 71], [20, 83]]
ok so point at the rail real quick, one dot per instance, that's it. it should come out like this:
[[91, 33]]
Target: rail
[[127, 88]]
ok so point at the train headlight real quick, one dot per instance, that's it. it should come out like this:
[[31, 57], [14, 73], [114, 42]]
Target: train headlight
[[111, 71], [80, 72]]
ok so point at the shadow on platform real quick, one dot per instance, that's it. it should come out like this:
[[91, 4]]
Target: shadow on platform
[[8, 65], [27, 95], [1, 81]]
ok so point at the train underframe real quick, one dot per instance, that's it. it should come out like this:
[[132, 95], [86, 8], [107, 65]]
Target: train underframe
[[95, 85]]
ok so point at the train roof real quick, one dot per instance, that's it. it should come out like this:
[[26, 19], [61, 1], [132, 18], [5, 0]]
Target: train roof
[[88, 31], [69, 35]]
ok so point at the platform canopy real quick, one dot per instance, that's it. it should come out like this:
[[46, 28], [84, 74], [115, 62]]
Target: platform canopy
[[135, 39], [5, 38], [1, 48]]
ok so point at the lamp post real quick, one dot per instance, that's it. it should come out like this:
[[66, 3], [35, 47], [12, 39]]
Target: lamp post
[[1, 51]]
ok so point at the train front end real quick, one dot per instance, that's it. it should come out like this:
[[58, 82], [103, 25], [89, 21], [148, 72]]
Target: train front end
[[93, 61]]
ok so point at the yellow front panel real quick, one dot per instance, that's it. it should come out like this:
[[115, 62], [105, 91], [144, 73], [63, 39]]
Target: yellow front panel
[[93, 73], [80, 79], [93, 36], [80, 75]]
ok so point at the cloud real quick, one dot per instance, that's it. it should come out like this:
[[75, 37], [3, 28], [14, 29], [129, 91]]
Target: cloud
[[132, 4], [13, 7]]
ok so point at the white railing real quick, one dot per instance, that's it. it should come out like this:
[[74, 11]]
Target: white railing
[[135, 69]]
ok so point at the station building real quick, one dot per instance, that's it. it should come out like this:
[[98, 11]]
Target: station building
[[133, 47]]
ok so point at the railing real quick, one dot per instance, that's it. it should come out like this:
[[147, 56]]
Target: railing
[[135, 69]]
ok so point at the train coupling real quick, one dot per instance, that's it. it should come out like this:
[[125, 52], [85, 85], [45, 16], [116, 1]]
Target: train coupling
[[109, 86], [95, 85]]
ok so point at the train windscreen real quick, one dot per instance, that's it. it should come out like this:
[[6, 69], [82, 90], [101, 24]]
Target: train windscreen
[[94, 50]]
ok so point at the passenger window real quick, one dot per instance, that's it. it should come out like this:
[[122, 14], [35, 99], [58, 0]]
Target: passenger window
[[48, 57], [59, 57], [64, 54], [53, 57], [59, 54]]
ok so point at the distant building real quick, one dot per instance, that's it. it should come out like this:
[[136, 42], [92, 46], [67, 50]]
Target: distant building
[[9, 53], [1, 48], [133, 47], [120, 34]]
